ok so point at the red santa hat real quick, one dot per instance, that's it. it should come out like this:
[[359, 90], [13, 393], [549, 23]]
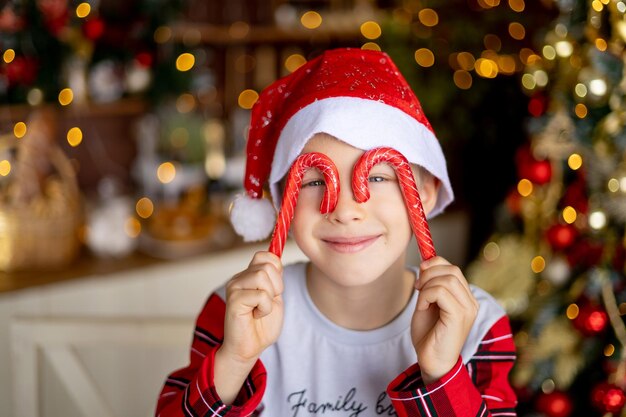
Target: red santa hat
[[355, 95]]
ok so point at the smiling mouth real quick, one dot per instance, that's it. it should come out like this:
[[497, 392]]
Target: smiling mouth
[[350, 245]]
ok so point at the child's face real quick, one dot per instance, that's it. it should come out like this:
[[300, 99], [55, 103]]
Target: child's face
[[358, 242]]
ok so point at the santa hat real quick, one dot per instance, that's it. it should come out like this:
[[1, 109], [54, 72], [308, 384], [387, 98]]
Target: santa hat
[[355, 95]]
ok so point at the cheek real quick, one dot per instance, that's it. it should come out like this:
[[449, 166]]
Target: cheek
[[391, 208]]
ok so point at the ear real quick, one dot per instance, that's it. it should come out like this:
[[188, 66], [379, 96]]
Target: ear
[[428, 189]]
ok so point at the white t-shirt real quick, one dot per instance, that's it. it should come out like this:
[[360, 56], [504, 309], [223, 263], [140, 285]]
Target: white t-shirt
[[317, 368]]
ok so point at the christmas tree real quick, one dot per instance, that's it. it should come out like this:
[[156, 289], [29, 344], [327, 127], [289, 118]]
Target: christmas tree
[[557, 260]]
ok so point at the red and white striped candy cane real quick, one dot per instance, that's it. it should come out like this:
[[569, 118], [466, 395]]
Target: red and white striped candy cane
[[292, 189], [412, 199]]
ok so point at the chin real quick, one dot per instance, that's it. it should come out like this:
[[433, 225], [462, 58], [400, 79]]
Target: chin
[[352, 274]]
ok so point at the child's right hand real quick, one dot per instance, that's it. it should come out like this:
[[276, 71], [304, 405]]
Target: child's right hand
[[253, 321]]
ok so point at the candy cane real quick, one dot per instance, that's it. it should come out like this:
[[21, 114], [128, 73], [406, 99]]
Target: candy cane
[[292, 189], [412, 199]]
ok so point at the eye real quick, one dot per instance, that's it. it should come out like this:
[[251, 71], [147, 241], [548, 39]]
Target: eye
[[314, 183], [375, 178]]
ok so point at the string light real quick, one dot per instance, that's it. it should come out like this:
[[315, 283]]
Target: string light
[[462, 79], [424, 57], [525, 187], [311, 20], [247, 98], [185, 62], [569, 214], [294, 61], [132, 227], [575, 161], [371, 30], [572, 311], [166, 172], [597, 220], [144, 207], [74, 136], [517, 31], [66, 96], [5, 168], [428, 17], [580, 110], [486, 68], [580, 90], [517, 5], [370, 46], [613, 185], [83, 10], [8, 56], [19, 129], [491, 251], [538, 264], [548, 52]]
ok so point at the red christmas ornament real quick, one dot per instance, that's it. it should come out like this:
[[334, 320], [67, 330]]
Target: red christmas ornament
[[537, 105], [537, 171], [93, 28], [555, 404], [55, 13], [513, 202], [608, 398], [561, 236], [591, 320], [21, 71], [585, 253], [144, 59], [576, 195]]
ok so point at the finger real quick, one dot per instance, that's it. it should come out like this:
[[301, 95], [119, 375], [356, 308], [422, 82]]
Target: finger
[[257, 278], [448, 304], [435, 271], [273, 266], [256, 301], [455, 287]]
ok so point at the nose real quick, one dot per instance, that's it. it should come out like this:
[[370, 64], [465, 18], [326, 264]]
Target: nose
[[347, 209]]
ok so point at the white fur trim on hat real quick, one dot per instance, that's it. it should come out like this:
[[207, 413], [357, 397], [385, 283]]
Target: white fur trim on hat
[[252, 218], [364, 124]]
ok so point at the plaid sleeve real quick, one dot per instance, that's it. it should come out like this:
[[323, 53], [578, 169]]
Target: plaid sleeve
[[190, 391], [479, 389]]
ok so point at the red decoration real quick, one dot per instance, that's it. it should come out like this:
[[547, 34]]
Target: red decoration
[[537, 105], [144, 59], [537, 171], [561, 236], [93, 28], [576, 195], [608, 398], [21, 71], [513, 202], [591, 320], [55, 13], [555, 404], [585, 253], [9, 21]]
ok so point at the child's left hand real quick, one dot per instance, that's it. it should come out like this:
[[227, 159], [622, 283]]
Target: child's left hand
[[444, 314]]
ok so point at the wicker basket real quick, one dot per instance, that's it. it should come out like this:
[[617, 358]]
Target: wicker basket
[[45, 235]]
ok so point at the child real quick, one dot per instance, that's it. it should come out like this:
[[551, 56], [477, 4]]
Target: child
[[345, 334]]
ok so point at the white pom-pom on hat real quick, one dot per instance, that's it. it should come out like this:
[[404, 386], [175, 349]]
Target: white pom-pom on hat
[[252, 218]]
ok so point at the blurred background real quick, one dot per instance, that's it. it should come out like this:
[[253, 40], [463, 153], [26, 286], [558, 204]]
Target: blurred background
[[122, 136]]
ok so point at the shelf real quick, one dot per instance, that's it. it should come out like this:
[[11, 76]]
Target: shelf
[[222, 35]]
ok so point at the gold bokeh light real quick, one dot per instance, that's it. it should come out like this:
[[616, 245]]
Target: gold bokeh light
[[74, 136], [166, 172]]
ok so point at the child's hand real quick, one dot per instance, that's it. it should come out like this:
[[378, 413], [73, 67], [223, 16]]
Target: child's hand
[[253, 321], [445, 312]]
